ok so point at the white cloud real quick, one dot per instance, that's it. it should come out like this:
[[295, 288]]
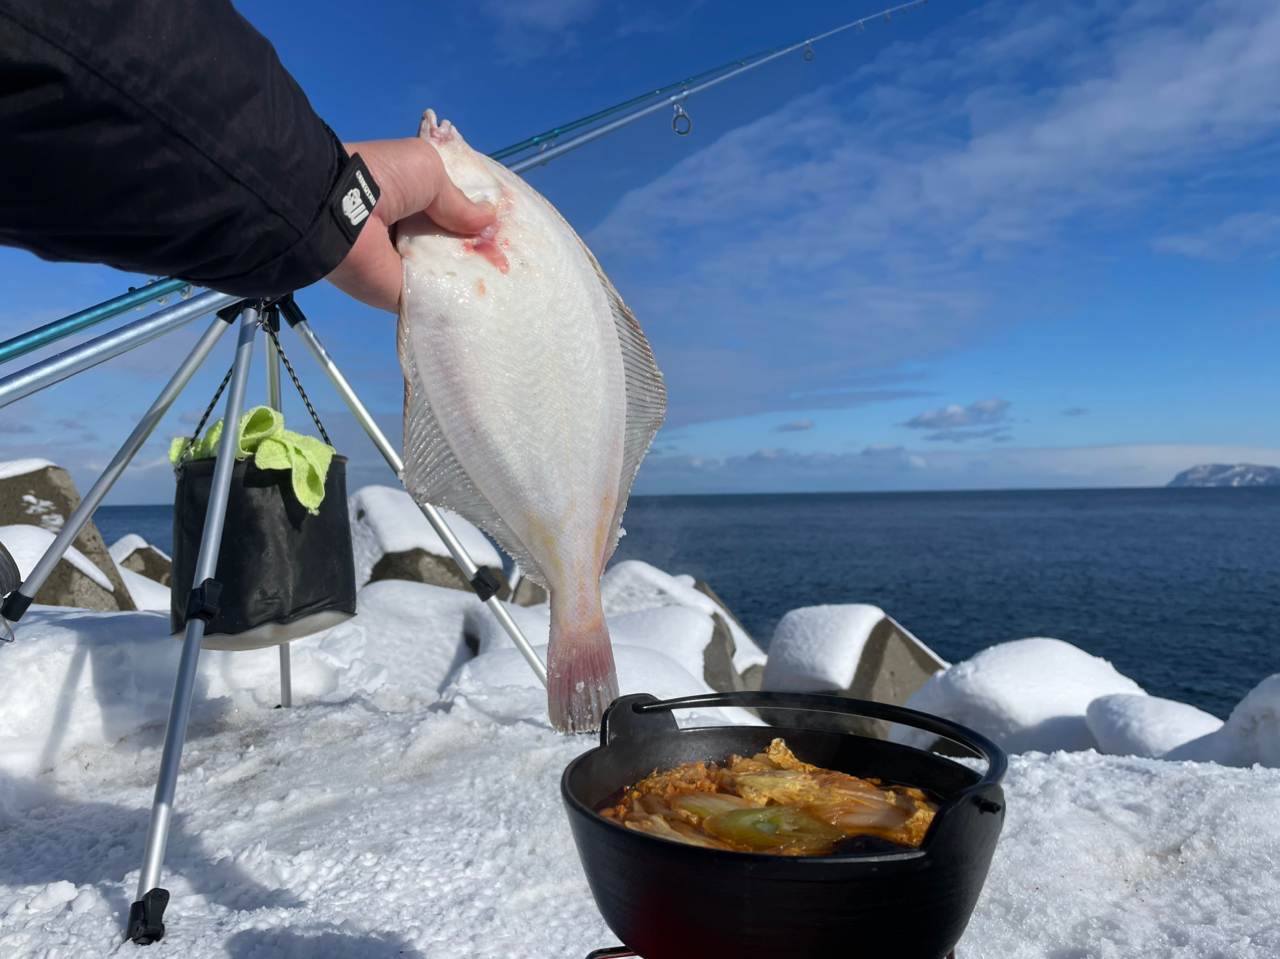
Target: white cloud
[[897, 468], [901, 212], [1229, 240], [954, 423], [796, 426], [991, 410]]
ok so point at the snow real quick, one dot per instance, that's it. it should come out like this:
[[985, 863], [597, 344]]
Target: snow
[[1129, 725], [534, 622], [28, 543], [1250, 735], [817, 648], [146, 593], [20, 467], [632, 586], [676, 631], [502, 684], [386, 520], [126, 545], [408, 805], [1026, 694]]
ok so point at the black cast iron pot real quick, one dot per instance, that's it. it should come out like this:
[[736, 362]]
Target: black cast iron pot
[[668, 900]]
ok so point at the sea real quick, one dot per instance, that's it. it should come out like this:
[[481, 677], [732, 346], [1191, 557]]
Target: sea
[[1178, 588]]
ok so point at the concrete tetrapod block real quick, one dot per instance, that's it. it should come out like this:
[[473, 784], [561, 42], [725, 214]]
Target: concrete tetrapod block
[[854, 651], [134, 553], [418, 566], [45, 497]]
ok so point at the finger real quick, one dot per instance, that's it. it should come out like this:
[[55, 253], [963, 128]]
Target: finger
[[413, 179], [454, 212]]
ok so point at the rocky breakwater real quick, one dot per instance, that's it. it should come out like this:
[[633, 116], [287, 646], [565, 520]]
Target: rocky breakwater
[[36, 499]]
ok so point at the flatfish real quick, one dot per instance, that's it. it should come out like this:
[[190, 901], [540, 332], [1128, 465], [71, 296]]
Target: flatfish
[[531, 396]]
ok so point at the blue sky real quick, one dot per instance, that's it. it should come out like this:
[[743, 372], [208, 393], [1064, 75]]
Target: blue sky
[[981, 245]]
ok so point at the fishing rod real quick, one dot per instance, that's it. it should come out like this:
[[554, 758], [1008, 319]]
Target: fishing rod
[[544, 146], [672, 95]]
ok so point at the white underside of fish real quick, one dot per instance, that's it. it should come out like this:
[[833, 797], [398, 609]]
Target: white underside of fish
[[531, 397]]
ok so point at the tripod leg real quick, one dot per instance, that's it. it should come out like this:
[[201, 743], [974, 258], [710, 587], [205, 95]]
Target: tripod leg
[[274, 398], [468, 566], [22, 597], [145, 924]]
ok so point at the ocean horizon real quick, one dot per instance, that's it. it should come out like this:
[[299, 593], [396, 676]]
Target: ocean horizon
[[1175, 586]]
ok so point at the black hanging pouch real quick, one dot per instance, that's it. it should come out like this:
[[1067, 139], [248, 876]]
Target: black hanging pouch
[[285, 573]]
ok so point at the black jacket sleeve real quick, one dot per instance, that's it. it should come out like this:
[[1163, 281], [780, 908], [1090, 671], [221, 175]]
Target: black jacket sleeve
[[163, 137]]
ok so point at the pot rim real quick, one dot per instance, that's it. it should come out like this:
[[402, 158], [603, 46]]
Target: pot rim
[[617, 726]]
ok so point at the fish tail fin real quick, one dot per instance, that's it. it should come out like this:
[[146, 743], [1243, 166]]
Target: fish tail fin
[[581, 677]]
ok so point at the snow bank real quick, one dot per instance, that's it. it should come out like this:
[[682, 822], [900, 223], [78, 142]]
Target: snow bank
[[28, 543], [346, 830], [127, 544], [1127, 725], [386, 520], [501, 684], [1027, 694], [75, 678], [534, 622], [632, 586], [817, 648], [20, 467], [1250, 735], [675, 631]]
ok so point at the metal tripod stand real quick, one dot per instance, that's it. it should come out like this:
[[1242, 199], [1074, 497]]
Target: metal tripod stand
[[146, 923]]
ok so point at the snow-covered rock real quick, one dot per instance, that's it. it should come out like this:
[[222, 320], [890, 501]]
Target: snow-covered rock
[[23, 467], [631, 586], [388, 528], [35, 492], [1026, 694], [75, 581], [1225, 474], [132, 552], [1250, 735], [146, 592], [823, 649], [1128, 725]]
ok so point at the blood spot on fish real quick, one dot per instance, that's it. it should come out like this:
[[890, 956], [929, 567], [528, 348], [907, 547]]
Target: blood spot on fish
[[480, 287], [487, 248]]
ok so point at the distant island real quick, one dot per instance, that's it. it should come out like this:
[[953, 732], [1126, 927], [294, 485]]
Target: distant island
[[1225, 474]]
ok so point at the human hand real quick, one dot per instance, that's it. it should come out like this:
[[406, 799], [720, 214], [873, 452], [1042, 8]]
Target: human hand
[[412, 179]]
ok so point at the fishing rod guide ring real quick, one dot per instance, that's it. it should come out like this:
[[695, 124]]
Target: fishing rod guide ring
[[682, 123]]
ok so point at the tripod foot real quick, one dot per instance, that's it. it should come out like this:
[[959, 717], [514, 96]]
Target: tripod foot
[[146, 917]]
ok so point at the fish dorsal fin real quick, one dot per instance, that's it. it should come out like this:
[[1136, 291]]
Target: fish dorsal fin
[[646, 394], [432, 474]]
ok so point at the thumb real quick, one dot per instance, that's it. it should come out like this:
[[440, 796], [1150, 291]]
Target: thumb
[[454, 212], [413, 180]]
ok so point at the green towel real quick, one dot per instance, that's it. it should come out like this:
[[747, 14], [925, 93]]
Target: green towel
[[263, 436]]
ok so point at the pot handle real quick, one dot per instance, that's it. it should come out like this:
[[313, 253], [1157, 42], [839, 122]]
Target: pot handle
[[621, 722], [642, 715]]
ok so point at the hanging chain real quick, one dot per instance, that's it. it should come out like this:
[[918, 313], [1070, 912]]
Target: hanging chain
[[227, 379], [204, 419], [294, 376]]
